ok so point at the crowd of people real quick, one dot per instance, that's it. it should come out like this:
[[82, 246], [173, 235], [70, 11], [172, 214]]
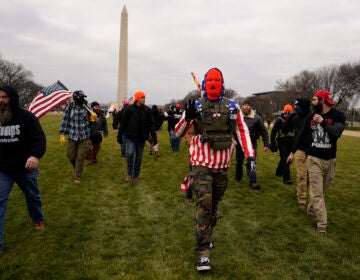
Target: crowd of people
[[213, 127]]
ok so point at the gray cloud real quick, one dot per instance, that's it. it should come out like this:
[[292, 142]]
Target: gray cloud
[[255, 44]]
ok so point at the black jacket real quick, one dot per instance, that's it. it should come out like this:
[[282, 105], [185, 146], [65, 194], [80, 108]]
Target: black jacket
[[118, 117], [100, 125], [296, 122], [158, 117], [137, 123], [19, 140], [324, 136], [173, 118], [256, 128]]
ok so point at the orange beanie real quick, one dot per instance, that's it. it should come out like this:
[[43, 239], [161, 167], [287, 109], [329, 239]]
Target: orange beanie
[[138, 95], [288, 108]]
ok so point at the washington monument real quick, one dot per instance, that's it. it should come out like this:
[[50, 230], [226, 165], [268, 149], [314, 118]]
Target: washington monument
[[123, 58]]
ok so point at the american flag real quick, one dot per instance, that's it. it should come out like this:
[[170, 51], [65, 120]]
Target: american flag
[[49, 98], [184, 185]]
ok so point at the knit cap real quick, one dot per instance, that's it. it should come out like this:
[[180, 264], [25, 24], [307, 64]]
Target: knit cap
[[288, 108], [138, 95]]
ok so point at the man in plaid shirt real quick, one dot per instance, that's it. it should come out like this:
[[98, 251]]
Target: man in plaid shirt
[[75, 124]]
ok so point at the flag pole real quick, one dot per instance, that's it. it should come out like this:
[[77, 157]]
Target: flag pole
[[197, 83]]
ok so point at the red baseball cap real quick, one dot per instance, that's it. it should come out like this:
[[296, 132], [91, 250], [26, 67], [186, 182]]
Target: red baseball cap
[[324, 94]]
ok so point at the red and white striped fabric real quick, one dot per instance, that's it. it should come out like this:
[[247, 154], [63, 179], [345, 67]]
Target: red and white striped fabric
[[185, 184], [201, 154], [49, 98]]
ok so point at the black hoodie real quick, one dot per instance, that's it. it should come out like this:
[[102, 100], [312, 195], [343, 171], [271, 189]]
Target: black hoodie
[[296, 121], [21, 138]]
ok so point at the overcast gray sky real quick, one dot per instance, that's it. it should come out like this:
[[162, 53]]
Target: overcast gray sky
[[255, 43]]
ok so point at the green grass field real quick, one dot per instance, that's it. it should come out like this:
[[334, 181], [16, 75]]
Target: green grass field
[[104, 228]]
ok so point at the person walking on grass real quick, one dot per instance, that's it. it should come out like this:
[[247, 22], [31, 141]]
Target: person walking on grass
[[173, 118], [98, 129], [76, 124], [137, 123], [117, 122], [256, 128], [216, 121], [295, 122], [158, 120], [284, 142], [324, 126], [22, 144]]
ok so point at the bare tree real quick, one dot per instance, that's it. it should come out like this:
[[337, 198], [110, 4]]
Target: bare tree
[[348, 80], [230, 93], [17, 76], [304, 82], [342, 81]]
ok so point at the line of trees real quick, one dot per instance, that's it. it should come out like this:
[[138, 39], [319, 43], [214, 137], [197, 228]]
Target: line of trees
[[343, 81], [17, 76]]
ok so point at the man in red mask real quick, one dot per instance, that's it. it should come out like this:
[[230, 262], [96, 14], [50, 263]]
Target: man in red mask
[[217, 121], [213, 84]]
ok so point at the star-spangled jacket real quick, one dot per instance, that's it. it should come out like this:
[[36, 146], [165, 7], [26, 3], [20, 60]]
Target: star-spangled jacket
[[201, 154]]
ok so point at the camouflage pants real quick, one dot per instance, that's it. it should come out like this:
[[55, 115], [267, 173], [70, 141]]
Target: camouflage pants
[[209, 186]]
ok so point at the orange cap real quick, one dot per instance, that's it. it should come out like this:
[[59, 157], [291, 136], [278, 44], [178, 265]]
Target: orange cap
[[138, 95], [288, 108]]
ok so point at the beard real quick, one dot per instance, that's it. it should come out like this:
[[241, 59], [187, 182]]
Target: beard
[[6, 114], [317, 108]]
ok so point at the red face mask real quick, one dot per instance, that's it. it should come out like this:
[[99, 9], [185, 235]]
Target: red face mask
[[213, 84]]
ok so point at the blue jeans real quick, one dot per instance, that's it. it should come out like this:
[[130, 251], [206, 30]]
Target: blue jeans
[[134, 157], [175, 141], [189, 191], [239, 166], [27, 181], [123, 145]]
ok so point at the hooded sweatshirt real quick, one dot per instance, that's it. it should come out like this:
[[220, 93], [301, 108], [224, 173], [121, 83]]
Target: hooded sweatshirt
[[21, 138]]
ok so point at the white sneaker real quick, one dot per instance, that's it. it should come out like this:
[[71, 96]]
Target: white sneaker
[[203, 264]]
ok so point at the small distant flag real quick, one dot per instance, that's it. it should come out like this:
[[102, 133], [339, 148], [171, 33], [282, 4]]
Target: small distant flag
[[128, 101], [49, 98]]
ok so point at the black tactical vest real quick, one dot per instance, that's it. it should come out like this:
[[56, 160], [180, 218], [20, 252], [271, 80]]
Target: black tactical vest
[[215, 124]]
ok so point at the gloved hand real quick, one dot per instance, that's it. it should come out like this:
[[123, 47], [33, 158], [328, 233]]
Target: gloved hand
[[190, 111], [62, 139], [92, 117], [252, 166]]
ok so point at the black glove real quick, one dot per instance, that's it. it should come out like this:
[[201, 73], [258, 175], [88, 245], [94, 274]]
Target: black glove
[[190, 111], [251, 166], [273, 147]]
